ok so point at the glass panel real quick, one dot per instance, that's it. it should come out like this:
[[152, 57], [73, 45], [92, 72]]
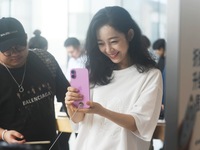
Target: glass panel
[[4, 8], [59, 19]]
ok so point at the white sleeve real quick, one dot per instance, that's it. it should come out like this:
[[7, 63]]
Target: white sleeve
[[147, 108]]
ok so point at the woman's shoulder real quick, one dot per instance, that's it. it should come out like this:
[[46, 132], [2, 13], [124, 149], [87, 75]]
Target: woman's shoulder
[[154, 73], [149, 71]]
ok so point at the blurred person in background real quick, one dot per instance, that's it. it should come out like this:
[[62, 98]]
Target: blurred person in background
[[147, 44], [38, 41], [76, 55], [159, 48], [146, 41]]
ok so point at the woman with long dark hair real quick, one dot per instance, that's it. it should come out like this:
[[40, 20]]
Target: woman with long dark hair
[[126, 86]]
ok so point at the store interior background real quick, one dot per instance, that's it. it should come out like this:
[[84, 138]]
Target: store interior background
[[59, 19]]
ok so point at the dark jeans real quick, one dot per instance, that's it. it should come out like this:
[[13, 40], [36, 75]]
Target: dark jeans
[[63, 141]]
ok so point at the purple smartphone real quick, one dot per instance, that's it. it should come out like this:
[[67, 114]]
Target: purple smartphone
[[80, 80]]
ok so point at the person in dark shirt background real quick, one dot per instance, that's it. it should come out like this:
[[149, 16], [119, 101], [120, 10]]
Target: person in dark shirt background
[[30, 82], [38, 41], [160, 46]]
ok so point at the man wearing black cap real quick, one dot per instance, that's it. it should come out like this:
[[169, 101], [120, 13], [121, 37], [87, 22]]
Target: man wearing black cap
[[29, 82]]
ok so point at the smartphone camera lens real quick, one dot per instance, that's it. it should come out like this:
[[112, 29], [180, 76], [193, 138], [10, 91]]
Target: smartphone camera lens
[[73, 74], [73, 71]]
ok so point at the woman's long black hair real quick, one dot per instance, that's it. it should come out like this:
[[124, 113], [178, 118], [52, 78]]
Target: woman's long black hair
[[99, 65]]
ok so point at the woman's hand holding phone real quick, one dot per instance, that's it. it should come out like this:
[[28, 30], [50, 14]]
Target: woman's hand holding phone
[[73, 95]]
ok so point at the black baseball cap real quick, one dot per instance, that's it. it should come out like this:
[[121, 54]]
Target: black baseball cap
[[11, 33]]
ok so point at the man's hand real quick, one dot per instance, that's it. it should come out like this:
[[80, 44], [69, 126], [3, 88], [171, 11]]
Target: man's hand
[[13, 137]]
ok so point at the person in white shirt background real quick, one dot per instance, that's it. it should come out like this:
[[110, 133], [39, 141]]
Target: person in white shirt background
[[76, 55]]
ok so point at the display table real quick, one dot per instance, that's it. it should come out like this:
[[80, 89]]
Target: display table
[[63, 123], [159, 132]]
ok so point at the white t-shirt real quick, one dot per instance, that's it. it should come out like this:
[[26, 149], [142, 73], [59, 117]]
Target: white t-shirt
[[130, 92]]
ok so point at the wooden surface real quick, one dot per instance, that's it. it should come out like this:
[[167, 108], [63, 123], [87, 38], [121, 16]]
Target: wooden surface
[[63, 125], [159, 132]]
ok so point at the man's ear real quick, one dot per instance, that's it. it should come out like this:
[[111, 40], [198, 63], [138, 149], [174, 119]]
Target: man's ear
[[130, 34]]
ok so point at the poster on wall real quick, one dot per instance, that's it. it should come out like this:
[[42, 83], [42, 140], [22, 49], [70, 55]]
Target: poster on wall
[[183, 76], [189, 99], [189, 132]]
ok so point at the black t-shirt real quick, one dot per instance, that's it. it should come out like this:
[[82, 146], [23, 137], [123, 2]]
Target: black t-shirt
[[32, 111], [161, 63]]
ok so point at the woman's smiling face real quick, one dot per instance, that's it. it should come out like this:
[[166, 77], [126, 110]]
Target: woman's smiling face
[[114, 45]]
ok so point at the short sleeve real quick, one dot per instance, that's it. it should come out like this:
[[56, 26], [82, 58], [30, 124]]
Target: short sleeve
[[147, 108]]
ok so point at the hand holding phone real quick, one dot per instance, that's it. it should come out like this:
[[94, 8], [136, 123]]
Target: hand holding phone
[[80, 81]]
